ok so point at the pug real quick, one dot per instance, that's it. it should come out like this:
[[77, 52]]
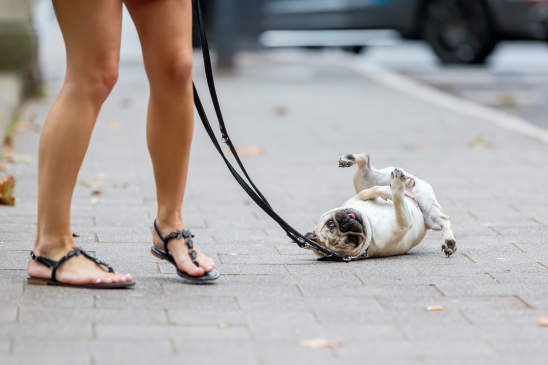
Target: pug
[[389, 215]]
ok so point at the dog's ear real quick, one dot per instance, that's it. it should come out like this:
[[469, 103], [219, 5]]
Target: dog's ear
[[367, 159], [311, 236]]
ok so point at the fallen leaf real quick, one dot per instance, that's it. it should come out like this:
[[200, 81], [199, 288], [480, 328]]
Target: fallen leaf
[[74, 234], [319, 342], [95, 185], [126, 102], [506, 98], [542, 321], [223, 325], [249, 150], [7, 184], [478, 143], [434, 308], [112, 126], [280, 110]]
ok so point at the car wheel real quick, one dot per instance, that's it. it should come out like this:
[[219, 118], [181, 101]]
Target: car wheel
[[459, 31]]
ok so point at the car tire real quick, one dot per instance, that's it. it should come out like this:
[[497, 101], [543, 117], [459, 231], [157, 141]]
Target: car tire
[[459, 31]]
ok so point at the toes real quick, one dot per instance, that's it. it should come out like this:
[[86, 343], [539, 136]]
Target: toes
[[186, 265], [206, 262]]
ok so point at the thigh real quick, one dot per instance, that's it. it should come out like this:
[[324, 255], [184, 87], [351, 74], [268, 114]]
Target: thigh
[[165, 32], [92, 32]]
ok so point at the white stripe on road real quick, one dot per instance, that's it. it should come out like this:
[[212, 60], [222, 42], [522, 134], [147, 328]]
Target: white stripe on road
[[434, 96]]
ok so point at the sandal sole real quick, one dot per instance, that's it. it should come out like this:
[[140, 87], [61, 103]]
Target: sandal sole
[[206, 278], [41, 281]]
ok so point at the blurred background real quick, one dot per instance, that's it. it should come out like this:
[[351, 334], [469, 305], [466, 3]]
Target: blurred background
[[490, 51]]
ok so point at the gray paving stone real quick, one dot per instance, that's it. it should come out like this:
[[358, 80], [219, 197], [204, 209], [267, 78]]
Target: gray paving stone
[[273, 294]]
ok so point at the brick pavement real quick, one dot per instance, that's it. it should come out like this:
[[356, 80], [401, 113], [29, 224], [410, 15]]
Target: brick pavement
[[303, 115]]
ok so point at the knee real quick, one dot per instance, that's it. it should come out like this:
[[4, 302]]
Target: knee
[[97, 79], [174, 73]]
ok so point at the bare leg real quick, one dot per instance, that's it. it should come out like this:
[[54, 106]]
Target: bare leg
[[91, 30], [165, 31]]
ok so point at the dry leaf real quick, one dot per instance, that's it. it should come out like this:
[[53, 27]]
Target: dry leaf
[[95, 185], [74, 234], [112, 126], [434, 308], [126, 102], [223, 325], [7, 184], [542, 321], [478, 143], [319, 342], [506, 99], [249, 150], [280, 110]]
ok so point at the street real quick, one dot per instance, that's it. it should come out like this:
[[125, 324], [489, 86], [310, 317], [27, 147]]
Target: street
[[294, 113]]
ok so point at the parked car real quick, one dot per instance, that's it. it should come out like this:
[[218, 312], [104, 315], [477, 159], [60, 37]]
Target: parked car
[[459, 31]]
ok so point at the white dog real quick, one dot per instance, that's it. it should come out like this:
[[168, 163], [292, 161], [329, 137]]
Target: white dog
[[366, 226]]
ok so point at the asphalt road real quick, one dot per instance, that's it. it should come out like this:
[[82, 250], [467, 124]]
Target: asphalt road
[[515, 78]]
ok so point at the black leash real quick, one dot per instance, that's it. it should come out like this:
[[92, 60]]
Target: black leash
[[250, 188]]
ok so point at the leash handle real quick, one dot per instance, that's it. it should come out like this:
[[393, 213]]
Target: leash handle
[[250, 188]]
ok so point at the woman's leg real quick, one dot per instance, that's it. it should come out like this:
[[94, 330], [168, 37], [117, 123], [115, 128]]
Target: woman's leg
[[165, 31], [91, 30]]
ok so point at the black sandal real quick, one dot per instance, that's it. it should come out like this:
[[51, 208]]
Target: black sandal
[[74, 252], [166, 255]]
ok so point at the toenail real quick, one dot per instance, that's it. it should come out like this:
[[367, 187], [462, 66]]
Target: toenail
[[210, 267], [97, 281]]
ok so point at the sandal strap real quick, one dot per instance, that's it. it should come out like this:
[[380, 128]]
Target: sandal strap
[[74, 252], [178, 234]]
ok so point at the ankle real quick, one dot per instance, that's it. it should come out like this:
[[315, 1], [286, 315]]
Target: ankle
[[51, 246], [169, 220]]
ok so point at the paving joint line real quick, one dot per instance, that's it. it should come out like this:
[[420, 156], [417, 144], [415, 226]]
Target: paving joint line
[[469, 258], [522, 301], [438, 290], [465, 317], [519, 248]]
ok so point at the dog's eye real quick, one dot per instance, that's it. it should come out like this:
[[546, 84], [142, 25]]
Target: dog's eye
[[330, 224]]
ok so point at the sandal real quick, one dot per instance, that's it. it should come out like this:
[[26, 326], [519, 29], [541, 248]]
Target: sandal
[[166, 255], [55, 265]]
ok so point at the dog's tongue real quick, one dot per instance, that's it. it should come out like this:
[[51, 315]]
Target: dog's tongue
[[351, 215]]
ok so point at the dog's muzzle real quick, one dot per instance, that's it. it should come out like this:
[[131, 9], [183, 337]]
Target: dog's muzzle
[[349, 221]]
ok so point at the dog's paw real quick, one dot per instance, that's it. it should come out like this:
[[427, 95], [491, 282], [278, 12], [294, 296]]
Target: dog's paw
[[397, 180], [449, 247], [347, 160]]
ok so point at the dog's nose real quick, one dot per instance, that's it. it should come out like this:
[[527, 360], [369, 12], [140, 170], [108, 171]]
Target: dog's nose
[[347, 222]]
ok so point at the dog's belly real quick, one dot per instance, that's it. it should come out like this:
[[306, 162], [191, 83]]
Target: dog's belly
[[387, 239]]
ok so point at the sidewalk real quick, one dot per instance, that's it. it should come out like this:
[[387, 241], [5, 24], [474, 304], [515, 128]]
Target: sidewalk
[[302, 115]]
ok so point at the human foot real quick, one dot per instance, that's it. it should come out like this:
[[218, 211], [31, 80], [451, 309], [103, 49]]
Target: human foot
[[78, 269], [180, 251]]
